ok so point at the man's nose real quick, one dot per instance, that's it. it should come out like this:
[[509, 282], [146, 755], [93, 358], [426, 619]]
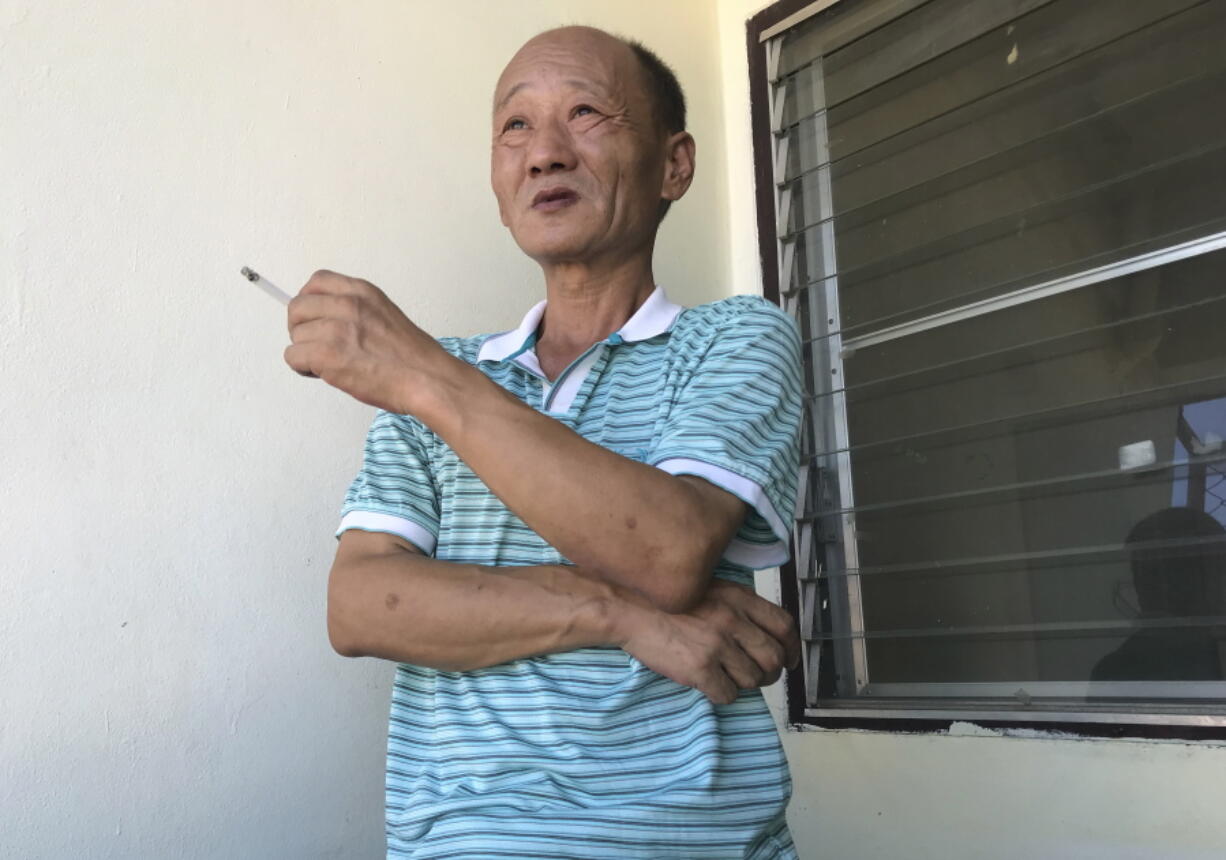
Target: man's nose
[[552, 150]]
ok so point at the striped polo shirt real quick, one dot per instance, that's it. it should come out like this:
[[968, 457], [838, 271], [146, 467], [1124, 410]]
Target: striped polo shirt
[[589, 754]]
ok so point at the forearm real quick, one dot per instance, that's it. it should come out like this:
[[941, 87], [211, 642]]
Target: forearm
[[386, 599], [634, 524], [405, 607]]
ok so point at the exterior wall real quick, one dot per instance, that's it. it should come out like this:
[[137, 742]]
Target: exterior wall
[[166, 529], [169, 487], [969, 794]]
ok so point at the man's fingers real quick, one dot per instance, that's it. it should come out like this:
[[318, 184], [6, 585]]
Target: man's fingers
[[778, 623], [765, 650], [325, 281], [741, 667], [298, 356], [306, 307], [762, 612], [758, 613], [314, 331], [719, 688]]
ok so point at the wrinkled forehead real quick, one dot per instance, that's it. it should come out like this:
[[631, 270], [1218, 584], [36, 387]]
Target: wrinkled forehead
[[584, 60]]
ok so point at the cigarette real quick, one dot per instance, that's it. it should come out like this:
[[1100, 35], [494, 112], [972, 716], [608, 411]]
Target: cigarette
[[266, 285]]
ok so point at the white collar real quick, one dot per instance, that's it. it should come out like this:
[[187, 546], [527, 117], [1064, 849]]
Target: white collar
[[655, 316]]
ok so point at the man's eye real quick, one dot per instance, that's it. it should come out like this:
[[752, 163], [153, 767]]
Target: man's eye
[[583, 110], [514, 125]]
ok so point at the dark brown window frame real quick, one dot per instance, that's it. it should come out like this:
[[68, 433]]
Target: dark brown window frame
[[794, 681]]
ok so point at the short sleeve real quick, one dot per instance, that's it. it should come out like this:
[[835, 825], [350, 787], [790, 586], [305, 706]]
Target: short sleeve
[[735, 422], [395, 491]]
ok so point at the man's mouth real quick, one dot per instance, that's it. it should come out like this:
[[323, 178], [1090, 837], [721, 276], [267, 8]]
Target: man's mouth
[[550, 199]]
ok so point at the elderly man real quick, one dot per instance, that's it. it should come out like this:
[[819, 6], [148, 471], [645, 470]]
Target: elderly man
[[554, 527]]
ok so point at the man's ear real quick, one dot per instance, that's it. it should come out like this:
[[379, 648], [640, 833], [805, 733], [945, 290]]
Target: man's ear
[[679, 168]]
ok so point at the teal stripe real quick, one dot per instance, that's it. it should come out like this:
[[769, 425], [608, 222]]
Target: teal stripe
[[589, 754]]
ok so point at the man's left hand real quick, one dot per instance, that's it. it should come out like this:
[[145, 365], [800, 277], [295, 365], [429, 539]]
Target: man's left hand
[[347, 332]]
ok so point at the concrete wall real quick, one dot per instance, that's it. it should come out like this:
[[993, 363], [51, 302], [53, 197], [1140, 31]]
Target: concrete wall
[[168, 487], [970, 794]]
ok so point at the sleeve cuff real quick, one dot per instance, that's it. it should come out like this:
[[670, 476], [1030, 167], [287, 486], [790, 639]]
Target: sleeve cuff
[[370, 521], [752, 555]]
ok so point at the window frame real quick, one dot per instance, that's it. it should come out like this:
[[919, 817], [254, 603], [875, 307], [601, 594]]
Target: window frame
[[1077, 717]]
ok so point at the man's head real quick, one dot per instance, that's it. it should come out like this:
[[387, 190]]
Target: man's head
[[589, 146], [1179, 563]]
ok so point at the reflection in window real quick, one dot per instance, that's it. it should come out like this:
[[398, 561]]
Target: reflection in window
[[1178, 562], [1198, 443]]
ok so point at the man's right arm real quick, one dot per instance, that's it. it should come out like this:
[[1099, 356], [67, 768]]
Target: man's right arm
[[386, 599]]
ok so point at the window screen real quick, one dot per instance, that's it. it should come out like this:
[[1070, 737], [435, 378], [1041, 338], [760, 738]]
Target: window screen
[[1002, 228]]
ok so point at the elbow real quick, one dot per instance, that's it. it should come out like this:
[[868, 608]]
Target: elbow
[[341, 635], [682, 562], [343, 647], [680, 583], [340, 639]]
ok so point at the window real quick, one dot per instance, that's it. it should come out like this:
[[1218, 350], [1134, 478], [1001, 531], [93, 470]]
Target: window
[[1001, 227]]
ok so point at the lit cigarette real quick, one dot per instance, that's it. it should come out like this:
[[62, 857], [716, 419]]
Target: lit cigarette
[[266, 285]]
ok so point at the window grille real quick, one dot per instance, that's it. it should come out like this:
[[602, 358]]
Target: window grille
[[1001, 227]]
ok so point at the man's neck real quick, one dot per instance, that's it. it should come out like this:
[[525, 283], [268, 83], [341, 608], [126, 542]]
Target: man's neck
[[586, 305]]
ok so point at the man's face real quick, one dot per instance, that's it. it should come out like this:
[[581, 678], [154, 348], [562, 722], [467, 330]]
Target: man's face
[[577, 163]]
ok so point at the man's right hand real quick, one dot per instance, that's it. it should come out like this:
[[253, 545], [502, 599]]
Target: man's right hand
[[732, 640]]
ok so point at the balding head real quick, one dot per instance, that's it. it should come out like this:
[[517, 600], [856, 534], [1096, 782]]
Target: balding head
[[657, 80], [576, 118]]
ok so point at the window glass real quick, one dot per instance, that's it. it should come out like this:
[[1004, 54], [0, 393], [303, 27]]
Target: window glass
[[1002, 231]]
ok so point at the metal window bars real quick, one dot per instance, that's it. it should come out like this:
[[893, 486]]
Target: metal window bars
[[832, 617]]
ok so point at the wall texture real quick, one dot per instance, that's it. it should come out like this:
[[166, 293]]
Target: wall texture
[[969, 795], [169, 487]]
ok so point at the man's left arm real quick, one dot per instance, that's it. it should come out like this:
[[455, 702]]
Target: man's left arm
[[638, 526]]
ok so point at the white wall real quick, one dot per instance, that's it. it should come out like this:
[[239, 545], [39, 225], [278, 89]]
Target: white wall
[[969, 795], [168, 488]]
